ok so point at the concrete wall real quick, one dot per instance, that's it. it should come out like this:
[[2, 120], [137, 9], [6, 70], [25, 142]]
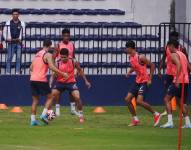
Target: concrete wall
[[188, 11], [142, 11]]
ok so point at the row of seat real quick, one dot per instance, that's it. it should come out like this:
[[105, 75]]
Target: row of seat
[[92, 37], [82, 24], [97, 50], [83, 65], [45, 11]]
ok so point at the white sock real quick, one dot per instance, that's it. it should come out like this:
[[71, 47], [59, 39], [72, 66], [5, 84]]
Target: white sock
[[44, 111], [57, 109], [156, 113], [169, 117], [73, 106], [135, 118], [33, 117], [80, 113], [187, 120]]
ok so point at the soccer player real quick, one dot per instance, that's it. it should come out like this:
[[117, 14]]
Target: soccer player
[[66, 43], [170, 70], [139, 64], [38, 81], [67, 64], [181, 66]]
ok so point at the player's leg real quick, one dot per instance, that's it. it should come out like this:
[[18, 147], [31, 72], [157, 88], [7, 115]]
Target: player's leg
[[76, 96], [35, 98], [167, 82], [56, 95], [171, 92], [72, 104], [140, 101], [185, 110], [132, 93], [45, 90]]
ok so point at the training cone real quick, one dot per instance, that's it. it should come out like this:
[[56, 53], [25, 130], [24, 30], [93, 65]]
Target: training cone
[[3, 106], [134, 103], [173, 103], [99, 110], [17, 109]]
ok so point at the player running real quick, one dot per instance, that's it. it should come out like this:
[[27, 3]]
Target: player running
[[38, 81], [67, 64], [66, 43], [139, 64], [180, 65]]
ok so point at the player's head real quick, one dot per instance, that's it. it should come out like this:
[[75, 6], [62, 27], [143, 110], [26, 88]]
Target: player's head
[[174, 35], [64, 55], [66, 35], [130, 46], [47, 43], [15, 14], [173, 45]]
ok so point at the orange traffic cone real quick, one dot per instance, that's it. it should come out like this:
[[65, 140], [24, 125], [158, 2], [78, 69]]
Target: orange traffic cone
[[3, 106], [134, 103], [17, 109], [99, 110], [173, 103]]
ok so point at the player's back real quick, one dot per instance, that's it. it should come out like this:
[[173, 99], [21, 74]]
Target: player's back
[[39, 67]]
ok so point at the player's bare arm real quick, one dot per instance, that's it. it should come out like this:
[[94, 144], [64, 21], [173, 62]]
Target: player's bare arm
[[176, 61], [144, 60]]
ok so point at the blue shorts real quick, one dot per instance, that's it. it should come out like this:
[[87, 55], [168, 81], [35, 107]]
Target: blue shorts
[[139, 89], [176, 91], [39, 88], [65, 86]]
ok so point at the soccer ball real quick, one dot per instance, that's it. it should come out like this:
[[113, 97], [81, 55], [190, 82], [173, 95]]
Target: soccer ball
[[51, 115]]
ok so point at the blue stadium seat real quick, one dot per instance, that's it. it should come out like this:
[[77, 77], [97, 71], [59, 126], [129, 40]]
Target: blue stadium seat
[[3, 51], [116, 12], [151, 37]]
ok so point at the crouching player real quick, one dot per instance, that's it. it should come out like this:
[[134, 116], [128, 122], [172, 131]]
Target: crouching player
[[181, 65], [143, 80], [38, 81], [67, 64]]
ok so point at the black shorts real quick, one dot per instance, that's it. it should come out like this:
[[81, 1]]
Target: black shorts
[[176, 91], [139, 89], [65, 86], [168, 81], [40, 88]]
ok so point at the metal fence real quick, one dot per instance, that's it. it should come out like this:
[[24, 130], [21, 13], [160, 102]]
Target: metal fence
[[99, 46]]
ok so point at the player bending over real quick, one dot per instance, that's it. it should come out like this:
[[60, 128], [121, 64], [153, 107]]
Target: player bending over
[[143, 80], [38, 81]]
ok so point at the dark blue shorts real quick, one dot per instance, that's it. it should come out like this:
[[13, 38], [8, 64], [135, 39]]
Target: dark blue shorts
[[176, 91], [40, 88], [139, 89], [65, 86], [168, 81]]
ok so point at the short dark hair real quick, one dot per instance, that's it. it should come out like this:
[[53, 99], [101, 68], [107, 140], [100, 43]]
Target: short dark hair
[[174, 34], [47, 43], [66, 31], [15, 10], [64, 51], [175, 43], [130, 44]]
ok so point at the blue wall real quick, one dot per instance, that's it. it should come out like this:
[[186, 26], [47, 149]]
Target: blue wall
[[106, 90]]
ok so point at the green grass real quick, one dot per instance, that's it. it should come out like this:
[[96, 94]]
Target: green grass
[[108, 131]]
